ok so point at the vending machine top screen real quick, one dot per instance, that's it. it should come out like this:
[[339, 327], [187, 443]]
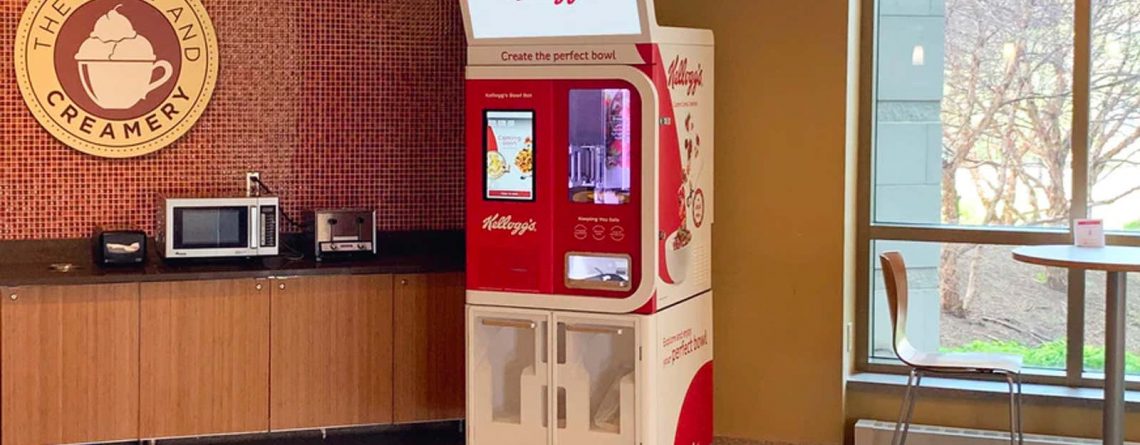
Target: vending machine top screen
[[505, 19]]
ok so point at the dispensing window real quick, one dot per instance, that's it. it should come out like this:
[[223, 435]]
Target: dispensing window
[[600, 158], [509, 146], [598, 271]]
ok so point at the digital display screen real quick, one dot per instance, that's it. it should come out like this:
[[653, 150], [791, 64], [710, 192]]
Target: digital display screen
[[509, 164], [492, 19]]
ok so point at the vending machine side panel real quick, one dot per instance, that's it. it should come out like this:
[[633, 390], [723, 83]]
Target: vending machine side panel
[[683, 78], [683, 371]]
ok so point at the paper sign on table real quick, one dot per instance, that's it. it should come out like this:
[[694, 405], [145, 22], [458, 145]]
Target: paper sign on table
[[1088, 233]]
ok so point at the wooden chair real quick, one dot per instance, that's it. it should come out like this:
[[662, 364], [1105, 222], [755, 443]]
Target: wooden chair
[[922, 363]]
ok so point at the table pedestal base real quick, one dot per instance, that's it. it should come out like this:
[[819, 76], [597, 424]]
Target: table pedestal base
[[1114, 328]]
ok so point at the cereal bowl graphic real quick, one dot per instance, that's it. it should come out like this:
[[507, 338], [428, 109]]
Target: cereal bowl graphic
[[117, 65], [677, 252], [496, 165]]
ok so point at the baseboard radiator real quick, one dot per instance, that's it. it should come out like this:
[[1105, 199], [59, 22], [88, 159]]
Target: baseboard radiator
[[873, 432]]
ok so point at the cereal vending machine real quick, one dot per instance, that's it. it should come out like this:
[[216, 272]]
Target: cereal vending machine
[[589, 225]]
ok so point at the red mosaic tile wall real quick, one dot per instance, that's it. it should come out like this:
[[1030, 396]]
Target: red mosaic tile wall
[[338, 103]]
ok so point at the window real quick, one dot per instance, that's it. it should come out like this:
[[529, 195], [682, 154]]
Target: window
[[978, 142], [1114, 117], [600, 146]]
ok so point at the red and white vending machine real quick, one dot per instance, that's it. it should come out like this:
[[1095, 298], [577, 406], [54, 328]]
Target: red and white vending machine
[[589, 225]]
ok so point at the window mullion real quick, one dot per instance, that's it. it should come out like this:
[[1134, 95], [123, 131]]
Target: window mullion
[[1082, 67]]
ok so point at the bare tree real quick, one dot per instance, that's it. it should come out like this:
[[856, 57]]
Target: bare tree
[[1007, 120]]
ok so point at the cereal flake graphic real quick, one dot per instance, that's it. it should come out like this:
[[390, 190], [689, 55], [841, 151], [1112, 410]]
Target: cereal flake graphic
[[116, 64]]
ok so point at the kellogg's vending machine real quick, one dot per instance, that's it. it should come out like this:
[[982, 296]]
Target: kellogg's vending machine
[[589, 225]]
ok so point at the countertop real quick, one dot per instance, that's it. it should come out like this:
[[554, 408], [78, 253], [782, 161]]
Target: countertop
[[29, 263]]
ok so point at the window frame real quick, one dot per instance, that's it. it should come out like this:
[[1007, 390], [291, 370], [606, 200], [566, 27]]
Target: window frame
[[868, 231]]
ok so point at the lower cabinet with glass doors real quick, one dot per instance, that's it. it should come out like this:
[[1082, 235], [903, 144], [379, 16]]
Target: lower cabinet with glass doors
[[541, 377]]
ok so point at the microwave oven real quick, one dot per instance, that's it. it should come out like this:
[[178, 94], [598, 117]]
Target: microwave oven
[[218, 227]]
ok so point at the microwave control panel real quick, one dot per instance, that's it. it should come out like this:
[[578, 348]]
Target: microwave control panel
[[268, 226]]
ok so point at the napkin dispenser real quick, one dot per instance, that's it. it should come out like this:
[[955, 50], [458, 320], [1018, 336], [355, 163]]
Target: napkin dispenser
[[119, 248]]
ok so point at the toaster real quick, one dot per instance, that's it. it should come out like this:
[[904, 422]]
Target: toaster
[[118, 248], [343, 233]]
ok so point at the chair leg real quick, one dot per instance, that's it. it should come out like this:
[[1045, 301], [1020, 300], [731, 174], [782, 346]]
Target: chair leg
[[910, 410], [906, 411], [1015, 436], [903, 407], [1020, 414]]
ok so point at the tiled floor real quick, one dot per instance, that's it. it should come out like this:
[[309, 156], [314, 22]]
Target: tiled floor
[[435, 438], [428, 435], [436, 434]]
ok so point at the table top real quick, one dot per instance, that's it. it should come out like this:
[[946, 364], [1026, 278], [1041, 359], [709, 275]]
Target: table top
[[1109, 259]]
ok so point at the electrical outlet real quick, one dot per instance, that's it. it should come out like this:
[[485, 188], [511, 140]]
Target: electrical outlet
[[251, 186]]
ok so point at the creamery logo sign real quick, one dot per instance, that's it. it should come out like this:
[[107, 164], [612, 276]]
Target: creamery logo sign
[[116, 78]]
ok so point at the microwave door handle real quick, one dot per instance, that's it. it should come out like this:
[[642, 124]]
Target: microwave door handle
[[254, 228]]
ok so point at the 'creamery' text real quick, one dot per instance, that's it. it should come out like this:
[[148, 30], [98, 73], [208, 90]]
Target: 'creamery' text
[[77, 121]]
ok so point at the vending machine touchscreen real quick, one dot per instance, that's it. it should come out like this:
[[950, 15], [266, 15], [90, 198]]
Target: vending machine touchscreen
[[509, 155]]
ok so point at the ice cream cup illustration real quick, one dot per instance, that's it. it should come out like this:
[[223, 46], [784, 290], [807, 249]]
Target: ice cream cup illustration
[[120, 85], [117, 65], [677, 260]]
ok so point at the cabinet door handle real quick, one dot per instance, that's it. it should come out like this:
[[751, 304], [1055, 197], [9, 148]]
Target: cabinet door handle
[[258, 287], [594, 329], [403, 281], [281, 286], [14, 297], [513, 324]]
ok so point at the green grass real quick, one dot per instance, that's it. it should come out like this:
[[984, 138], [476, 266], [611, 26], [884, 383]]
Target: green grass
[[1048, 355]]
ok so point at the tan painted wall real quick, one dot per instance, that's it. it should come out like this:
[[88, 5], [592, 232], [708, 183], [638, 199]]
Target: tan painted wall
[[779, 242], [779, 238]]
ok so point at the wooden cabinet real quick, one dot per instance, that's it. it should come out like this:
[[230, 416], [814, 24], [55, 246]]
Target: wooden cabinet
[[430, 347], [158, 360], [69, 366], [204, 358], [332, 351]]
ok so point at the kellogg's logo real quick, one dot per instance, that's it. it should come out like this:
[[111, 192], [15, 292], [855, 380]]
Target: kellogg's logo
[[116, 78], [498, 222], [681, 76]]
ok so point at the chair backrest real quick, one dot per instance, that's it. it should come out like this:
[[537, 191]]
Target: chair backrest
[[894, 275]]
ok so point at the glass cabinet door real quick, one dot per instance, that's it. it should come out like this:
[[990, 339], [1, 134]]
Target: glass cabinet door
[[595, 375], [509, 375]]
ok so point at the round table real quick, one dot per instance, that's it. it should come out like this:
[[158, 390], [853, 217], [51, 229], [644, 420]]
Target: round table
[[1117, 261]]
